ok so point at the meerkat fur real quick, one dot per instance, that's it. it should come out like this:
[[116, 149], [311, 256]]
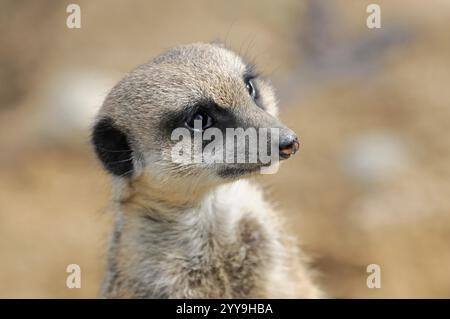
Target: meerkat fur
[[192, 230]]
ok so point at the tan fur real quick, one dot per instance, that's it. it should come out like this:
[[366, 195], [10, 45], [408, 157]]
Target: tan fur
[[182, 231]]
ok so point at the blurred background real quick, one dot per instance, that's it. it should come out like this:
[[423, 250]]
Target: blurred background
[[371, 106]]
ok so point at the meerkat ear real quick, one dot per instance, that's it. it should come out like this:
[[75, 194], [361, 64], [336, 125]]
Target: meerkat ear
[[112, 148]]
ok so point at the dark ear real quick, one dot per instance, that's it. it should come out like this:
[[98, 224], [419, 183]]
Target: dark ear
[[112, 148]]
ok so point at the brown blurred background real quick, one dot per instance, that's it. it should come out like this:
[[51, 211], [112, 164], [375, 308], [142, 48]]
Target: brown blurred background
[[371, 106]]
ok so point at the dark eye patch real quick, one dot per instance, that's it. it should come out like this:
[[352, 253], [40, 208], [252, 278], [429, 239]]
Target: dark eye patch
[[222, 116]]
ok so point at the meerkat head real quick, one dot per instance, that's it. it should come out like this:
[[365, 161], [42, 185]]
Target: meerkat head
[[192, 88]]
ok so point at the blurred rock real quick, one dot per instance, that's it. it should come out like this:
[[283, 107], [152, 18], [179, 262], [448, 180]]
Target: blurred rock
[[72, 99], [374, 157]]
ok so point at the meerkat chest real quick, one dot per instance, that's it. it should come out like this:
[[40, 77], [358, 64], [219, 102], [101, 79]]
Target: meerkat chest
[[222, 249], [224, 265], [228, 253]]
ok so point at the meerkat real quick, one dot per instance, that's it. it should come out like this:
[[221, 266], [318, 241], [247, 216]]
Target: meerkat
[[193, 230]]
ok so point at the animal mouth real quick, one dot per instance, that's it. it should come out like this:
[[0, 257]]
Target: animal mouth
[[238, 170]]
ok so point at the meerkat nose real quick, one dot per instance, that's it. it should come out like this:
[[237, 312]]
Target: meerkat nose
[[289, 146]]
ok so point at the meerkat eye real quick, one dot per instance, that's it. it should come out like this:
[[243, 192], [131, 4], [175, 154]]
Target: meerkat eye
[[203, 118], [251, 88]]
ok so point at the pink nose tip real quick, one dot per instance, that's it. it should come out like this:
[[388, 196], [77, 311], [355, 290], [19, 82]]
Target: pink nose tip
[[289, 148]]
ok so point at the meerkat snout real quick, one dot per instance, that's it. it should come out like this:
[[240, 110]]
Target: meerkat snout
[[289, 145]]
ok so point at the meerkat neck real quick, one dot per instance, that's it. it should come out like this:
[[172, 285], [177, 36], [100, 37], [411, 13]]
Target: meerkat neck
[[156, 201], [152, 234], [143, 209]]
